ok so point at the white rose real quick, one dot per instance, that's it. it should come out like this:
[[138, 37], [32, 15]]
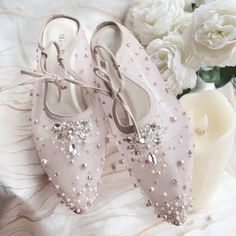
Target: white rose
[[212, 34], [171, 58], [183, 23], [150, 19], [188, 3], [200, 2]]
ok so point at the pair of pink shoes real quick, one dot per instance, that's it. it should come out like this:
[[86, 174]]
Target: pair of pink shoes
[[71, 106]]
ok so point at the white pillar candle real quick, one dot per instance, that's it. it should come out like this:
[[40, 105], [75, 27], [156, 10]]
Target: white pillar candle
[[213, 122]]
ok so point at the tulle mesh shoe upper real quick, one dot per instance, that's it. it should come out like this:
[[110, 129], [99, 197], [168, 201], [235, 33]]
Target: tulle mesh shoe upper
[[67, 120], [153, 132]]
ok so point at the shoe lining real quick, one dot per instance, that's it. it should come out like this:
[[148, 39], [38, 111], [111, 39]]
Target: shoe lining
[[63, 31], [135, 96]]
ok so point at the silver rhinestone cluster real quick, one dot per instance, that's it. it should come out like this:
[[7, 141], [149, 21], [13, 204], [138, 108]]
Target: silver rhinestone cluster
[[150, 139], [71, 133]]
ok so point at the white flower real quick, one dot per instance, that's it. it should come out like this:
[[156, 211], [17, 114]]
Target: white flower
[[150, 19], [212, 34], [200, 2], [171, 58], [183, 23], [188, 3]]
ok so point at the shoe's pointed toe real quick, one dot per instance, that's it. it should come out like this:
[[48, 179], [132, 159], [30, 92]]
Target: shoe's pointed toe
[[71, 154], [161, 163]]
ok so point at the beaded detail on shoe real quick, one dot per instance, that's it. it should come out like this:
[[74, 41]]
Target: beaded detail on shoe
[[148, 137], [176, 211], [69, 134], [146, 151]]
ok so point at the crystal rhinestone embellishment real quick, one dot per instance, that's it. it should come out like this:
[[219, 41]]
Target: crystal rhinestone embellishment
[[149, 137], [71, 133], [72, 149], [152, 158]]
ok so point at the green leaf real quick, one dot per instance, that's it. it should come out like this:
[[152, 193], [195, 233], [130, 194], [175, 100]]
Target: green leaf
[[220, 76], [186, 91], [194, 6]]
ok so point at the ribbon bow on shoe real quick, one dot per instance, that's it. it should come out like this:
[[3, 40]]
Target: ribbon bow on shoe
[[115, 93], [48, 77], [44, 75]]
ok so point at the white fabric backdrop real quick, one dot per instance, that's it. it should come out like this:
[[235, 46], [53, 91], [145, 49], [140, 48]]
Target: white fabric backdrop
[[28, 203]]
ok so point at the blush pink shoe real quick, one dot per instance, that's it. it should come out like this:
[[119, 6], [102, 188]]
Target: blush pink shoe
[[67, 121], [153, 132]]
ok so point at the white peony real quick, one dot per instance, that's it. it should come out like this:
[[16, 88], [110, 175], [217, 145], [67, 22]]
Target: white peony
[[150, 19], [172, 58], [212, 34]]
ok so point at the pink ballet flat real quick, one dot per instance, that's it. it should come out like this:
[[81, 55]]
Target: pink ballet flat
[[67, 120], [153, 132]]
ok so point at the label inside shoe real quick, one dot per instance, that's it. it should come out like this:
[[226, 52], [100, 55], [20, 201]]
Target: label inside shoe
[[61, 42]]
